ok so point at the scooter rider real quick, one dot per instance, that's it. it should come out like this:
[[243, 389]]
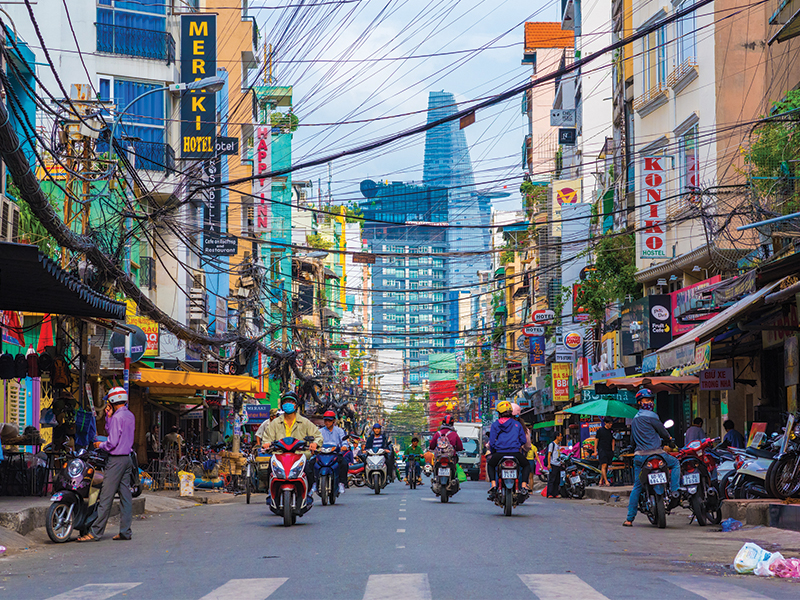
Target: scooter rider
[[378, 440], [446, 430], [332, 435], [294, 425], [650, 437], [506, 438]]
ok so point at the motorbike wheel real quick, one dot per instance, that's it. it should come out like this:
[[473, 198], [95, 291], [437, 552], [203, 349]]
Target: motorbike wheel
[[444, 497], [376, 483], [661, 512], [542, 477], [412, 481], [508, 501], [726, 486], [288, 517], [58, 529], [579, 491], [698, 509], [332, 492], [785, 476], [713, 506], [323, 489], [750, 489], [136, 491]]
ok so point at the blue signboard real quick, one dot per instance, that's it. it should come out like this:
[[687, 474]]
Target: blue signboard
[[537, 351], [257, 413]]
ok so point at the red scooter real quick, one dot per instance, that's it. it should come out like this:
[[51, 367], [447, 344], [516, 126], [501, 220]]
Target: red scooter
[[699, 481], [288, 486]]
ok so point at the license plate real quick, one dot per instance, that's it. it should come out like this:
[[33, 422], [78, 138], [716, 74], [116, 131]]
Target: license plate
[[575, 480], [57, 497], [691, 479], [657, 478], [511, 474], [444, 472]]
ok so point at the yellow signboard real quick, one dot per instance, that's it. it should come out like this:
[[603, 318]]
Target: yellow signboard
[[564, 192], [149, 327], [562, 381]]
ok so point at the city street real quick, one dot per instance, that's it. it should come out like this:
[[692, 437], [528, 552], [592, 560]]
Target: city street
[[402, 544]]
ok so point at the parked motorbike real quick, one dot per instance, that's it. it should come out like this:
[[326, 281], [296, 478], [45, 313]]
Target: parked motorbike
[[288, 486], [573, 480], [749, 481], [376, 474], [444, 483], [74, 506], [783, 475], [699, 482], [327, 470], [508, 484], [355, 474]]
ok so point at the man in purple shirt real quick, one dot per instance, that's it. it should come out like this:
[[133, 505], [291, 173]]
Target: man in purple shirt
[[120, 424]]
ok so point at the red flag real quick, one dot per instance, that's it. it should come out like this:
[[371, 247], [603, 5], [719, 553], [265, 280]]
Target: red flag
[[45, 334]]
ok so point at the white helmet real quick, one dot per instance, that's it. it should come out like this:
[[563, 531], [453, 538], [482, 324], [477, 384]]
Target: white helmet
[[117, 395]]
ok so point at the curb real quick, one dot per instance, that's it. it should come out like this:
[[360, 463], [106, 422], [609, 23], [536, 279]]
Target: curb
[[26, 520]]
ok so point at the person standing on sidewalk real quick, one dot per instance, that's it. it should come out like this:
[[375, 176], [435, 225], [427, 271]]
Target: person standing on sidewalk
[[605, 448], [554, 461], [120, 424]]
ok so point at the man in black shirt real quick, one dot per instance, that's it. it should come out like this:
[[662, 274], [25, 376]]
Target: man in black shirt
[[605, 448]]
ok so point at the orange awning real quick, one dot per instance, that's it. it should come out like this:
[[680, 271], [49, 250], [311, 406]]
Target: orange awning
[[657, 384], [163, 378]]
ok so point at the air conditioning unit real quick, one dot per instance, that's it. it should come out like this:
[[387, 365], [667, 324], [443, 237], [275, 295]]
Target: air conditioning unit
[[9, 221]]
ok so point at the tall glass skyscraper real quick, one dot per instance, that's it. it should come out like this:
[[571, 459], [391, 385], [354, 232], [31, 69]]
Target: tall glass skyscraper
[[448, 165]]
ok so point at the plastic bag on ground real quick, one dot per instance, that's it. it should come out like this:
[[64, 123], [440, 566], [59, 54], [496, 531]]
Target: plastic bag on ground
[[766, 567], [748, 557], [186, 483], [731, 525], [787, 567]]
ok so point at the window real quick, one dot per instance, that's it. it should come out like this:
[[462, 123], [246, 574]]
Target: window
[[686, 34], [655, 60], [689, 159]]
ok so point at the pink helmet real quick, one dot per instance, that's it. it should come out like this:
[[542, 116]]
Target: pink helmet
[[516, 409]]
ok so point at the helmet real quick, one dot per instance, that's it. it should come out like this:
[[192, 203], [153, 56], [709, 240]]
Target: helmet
[[377, 426], [516, 409], [448, 420], [644, 394], [116, 395], [329, 414], [503, 407]]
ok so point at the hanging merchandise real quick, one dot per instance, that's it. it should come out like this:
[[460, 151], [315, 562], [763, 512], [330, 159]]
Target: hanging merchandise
[[47, 418], [20, 366], [33, 362], [6, 366], [45, 363], [60, 376], [85, 427]]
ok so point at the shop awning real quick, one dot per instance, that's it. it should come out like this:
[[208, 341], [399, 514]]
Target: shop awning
[[31, 282], [680, 352], [677, 385], [180, 381], [544, 424], [329, 274]]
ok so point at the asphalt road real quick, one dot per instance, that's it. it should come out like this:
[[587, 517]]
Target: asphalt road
[[401, 545]]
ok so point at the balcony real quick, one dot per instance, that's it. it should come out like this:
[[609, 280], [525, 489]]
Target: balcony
[[153, 156], [652, 99], [141, 43], [683, 75]]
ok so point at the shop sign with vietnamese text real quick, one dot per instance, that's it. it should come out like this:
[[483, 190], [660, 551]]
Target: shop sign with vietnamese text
[[562, 378], [712, 380]]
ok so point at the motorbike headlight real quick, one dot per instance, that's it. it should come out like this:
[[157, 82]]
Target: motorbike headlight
[[75, 467], [277, 468], [297, 468]]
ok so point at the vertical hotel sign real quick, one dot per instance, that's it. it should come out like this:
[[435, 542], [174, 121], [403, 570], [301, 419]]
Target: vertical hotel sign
[[262, 187], [652, 236], [198, 107]]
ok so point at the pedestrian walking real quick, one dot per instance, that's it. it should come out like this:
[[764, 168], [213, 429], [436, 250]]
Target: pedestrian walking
[[695, 432], [120, 424], [605, 449], [554, 462]]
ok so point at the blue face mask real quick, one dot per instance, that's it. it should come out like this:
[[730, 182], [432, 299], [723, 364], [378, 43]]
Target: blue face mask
[[289, 408]]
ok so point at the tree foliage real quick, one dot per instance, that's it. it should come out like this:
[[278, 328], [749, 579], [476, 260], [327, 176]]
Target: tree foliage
[[613, 276]]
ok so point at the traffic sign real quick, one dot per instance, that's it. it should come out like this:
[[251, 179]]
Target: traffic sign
[[138, 344]]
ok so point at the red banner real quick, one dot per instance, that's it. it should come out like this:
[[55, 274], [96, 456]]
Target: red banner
[[443, 401]]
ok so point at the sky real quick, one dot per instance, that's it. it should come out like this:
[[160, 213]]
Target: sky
[[349, 87]]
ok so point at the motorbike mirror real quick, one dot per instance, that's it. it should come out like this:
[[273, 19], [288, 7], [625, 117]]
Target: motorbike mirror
[[669, 423]]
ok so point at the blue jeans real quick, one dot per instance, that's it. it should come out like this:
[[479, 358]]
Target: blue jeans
[[638, 463]]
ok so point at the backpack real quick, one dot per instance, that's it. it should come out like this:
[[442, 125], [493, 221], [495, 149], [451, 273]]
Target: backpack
[[443, 446], [6, 366], [45, 362], [60, 373], [20, 366]]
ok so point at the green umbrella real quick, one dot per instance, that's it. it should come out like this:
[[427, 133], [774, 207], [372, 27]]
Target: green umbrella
[[604, 408]]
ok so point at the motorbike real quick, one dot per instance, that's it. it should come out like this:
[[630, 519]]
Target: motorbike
[[653, 499], [573, 478], [752, 465], [327, 470], [74, 506], [508, 484], [376, 474], [783, 475], [355, 474], [541, 470], [412, 469], [444, 483], [288, 486], [699, 481]]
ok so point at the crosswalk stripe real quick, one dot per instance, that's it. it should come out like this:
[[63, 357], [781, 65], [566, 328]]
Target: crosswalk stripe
[[560, 587], [95, 591], [405, 586], [712, 588], [246, 589]]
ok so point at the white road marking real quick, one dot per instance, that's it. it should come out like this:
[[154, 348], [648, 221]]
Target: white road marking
[[712, 588], [406, 586], [95, 591], [402, 510], [246, 589], [401, 518], [401, 531], [561, 587], [399, 546]]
